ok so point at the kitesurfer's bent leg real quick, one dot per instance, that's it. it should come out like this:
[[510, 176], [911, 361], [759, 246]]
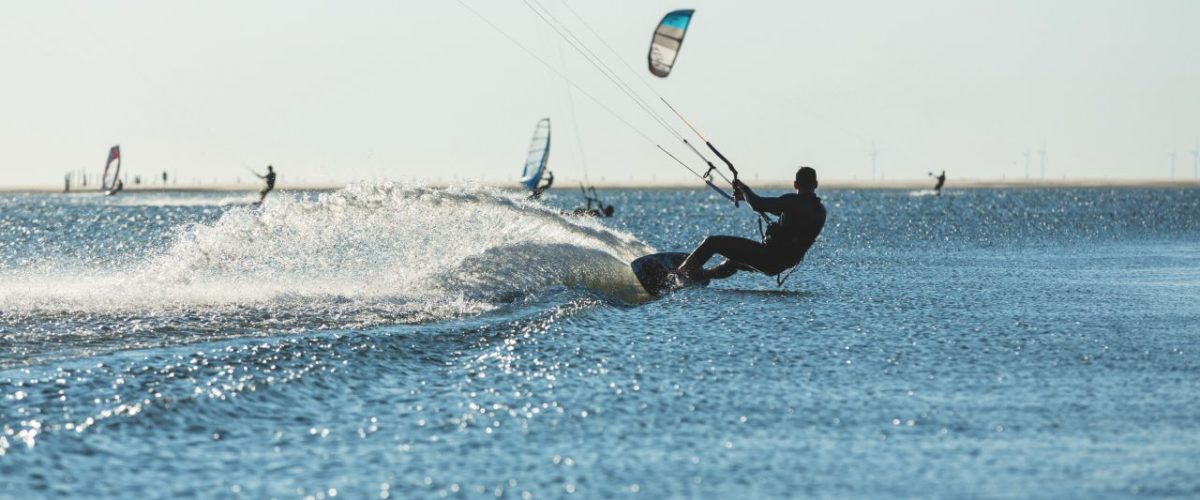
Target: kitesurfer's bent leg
[[724, 270], [742, 255]]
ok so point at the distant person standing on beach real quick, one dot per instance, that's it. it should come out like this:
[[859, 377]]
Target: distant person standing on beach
[[270, 178], [941, 181]]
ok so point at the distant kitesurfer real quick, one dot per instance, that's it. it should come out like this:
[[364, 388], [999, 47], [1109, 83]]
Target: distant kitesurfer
[[607, 211], [547, 181], [941, 181], [270, 178], [67, 181], [801, 217], [601, 209]]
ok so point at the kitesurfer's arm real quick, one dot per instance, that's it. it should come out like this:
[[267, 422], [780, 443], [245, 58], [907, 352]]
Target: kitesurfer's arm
[[758, 203]]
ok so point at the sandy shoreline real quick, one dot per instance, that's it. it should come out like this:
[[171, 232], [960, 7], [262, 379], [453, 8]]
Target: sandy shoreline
[[831, 184]]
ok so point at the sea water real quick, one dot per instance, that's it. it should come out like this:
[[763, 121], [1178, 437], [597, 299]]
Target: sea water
[[393, 340]]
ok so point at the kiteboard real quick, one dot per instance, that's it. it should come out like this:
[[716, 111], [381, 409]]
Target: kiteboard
[[656, 273]]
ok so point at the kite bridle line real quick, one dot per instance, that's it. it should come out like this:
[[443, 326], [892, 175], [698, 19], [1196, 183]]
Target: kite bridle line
[[706, 177], [763, 218]]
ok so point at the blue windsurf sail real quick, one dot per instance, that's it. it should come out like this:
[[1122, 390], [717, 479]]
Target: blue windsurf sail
[[668, 38], [539, 153]]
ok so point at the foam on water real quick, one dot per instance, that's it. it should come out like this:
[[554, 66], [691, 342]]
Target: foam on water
[[368, 254]]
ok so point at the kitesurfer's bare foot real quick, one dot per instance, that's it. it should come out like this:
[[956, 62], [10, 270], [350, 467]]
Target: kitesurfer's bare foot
[[684, 275]]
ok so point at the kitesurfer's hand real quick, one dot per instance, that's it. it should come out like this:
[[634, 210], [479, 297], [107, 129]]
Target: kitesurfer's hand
[[739, 192]]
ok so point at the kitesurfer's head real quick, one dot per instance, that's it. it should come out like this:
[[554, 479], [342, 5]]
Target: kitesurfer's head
[[806, 179], [270, 169], [608, 210]]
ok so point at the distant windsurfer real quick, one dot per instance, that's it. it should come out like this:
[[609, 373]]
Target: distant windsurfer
[[270, 178], [545, 183], [801, 218], [941, 181]]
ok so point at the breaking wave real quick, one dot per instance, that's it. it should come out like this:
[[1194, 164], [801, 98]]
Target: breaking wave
[[370, 254]]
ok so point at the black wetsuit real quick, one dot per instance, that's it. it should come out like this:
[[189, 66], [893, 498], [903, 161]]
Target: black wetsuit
[[801, 217], [941, 181], [270, 178]]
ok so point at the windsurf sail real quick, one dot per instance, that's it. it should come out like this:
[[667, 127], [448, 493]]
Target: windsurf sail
[[668, 38], [539, 153], [109, 182]]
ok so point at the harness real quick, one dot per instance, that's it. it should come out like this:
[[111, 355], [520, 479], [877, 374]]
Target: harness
[[762, 234]]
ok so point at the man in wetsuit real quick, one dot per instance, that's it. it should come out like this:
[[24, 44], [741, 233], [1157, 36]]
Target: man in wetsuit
[[600, 210], [270, 178], [544, 184], [801, 217], [941, 181], [607, 211]]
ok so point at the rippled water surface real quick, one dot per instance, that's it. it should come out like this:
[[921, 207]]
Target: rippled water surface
[[402, 341]]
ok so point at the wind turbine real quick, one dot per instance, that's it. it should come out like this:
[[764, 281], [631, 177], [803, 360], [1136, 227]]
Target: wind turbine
[[1042, 154]]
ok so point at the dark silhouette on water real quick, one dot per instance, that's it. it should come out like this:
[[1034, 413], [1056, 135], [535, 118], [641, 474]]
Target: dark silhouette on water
[[270, 178], [116, 188], [941, 181], [547, 180], [801, 217], [600, 209], [592, 212]]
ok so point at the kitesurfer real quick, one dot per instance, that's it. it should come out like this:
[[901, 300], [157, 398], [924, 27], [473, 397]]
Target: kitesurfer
[[270, 178], [941, 181], [547, 181], [801, 217], [601, 209], [607, 211]]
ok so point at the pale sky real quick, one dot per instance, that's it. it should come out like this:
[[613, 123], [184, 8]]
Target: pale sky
[[405, 89]]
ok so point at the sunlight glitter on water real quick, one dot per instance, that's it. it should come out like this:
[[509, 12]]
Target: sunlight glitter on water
[[982, 343]]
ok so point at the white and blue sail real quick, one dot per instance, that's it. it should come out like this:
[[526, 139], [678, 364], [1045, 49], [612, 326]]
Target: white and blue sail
[[539, 154]]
